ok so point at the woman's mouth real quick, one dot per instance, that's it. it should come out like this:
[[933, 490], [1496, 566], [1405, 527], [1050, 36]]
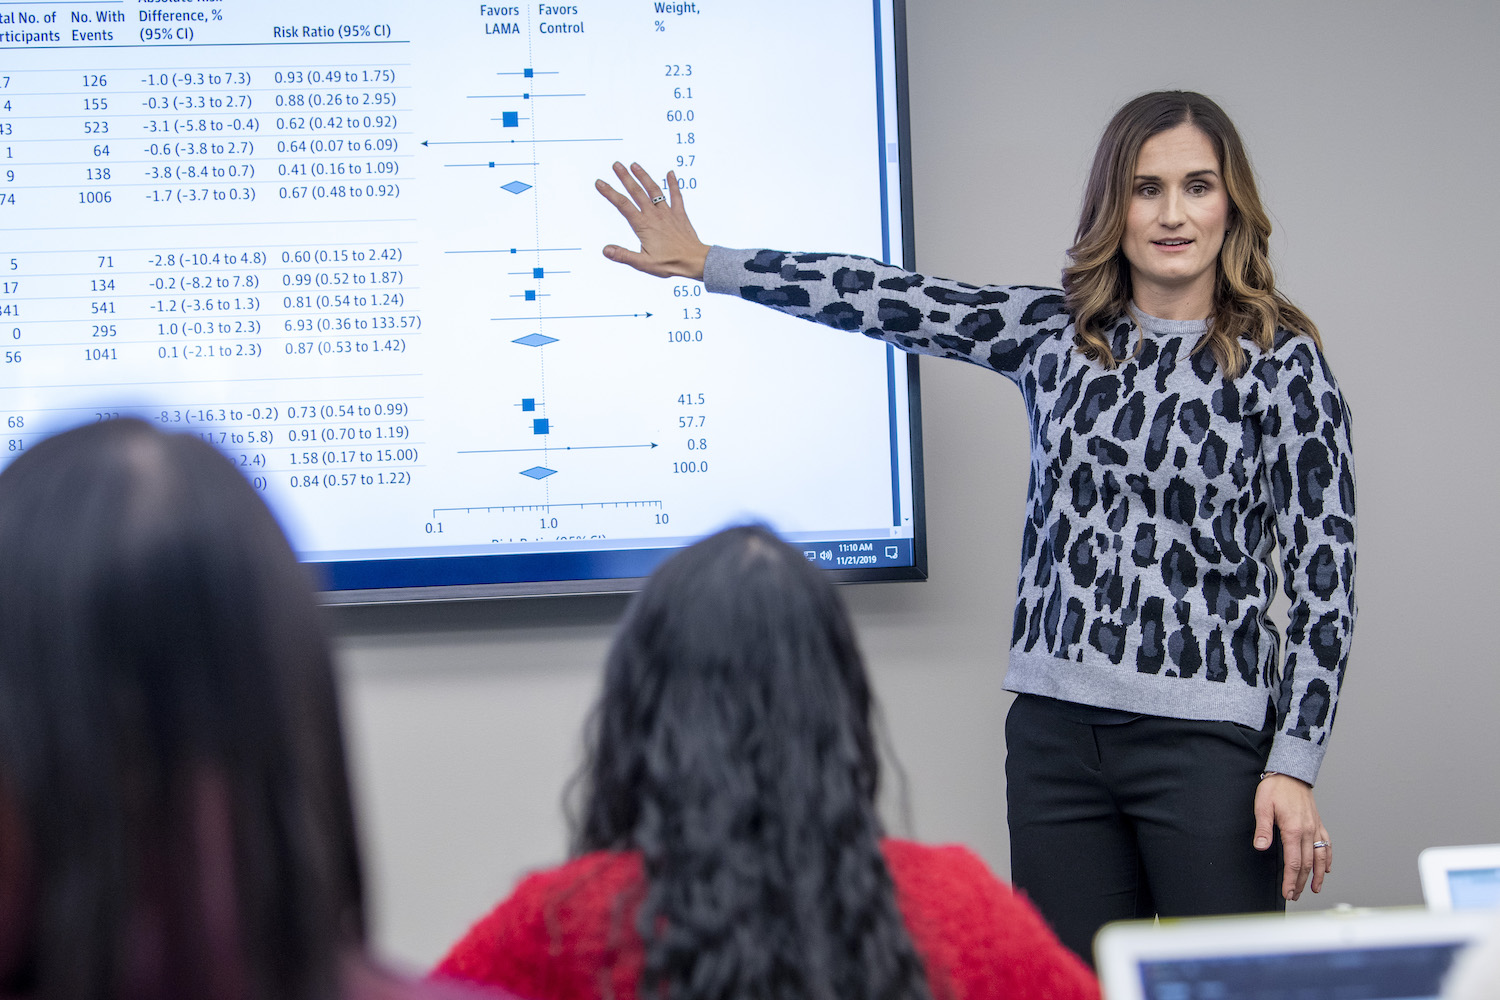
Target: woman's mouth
[[1172, 244]]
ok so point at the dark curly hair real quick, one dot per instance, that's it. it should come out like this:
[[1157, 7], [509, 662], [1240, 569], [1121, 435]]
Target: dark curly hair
[[732, 747], [172, 779]]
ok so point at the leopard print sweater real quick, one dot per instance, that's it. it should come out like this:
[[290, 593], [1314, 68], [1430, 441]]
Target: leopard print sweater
[[1158, 493]]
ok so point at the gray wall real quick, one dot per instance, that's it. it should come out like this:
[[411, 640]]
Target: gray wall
[[1375, 130]]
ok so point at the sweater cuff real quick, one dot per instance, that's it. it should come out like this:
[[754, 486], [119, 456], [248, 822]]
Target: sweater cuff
[[1296, 757], [722, 267]]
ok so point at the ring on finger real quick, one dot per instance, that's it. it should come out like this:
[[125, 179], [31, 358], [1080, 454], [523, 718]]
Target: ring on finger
[[658, 199], [1321, 843]]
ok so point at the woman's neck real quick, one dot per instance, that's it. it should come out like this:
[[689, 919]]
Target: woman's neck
[[1176, 302]]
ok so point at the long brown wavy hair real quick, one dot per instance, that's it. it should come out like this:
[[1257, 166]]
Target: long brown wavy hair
[[1096, 282]]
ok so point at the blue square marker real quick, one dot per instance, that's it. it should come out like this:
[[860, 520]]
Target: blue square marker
[[537, 272], [527, 74], [528, 405], [510, 119], [530, 295], [539, 426]]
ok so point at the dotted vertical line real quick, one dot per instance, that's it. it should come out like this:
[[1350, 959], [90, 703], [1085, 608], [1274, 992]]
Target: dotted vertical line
[[536, 220]]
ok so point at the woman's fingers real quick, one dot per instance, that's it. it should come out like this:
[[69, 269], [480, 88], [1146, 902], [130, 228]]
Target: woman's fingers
[[1309, 860], [652, 191], [632, 186], [620, 255], [618, 200], [1322, 859]]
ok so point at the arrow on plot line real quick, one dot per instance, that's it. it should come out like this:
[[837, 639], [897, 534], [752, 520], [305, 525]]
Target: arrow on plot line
[[535, 319], [581, 447], [503, 142]]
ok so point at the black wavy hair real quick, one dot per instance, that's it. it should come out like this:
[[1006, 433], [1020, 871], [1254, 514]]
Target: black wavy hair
[[732, 746], [170, 745]]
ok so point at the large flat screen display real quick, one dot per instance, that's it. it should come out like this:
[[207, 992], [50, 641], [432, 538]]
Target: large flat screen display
[[356, 246]]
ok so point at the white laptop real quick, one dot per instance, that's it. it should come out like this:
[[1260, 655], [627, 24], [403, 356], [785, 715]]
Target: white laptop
[[1461, 878], [1326, 955]]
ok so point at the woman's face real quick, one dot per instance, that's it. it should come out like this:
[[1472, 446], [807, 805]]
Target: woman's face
[[1179, 212]]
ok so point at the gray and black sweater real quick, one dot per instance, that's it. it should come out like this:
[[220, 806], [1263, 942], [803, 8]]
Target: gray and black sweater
[[1158, 493]]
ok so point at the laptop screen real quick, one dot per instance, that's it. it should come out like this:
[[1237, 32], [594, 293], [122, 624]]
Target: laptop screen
[[1406, 972], [1474, 888]]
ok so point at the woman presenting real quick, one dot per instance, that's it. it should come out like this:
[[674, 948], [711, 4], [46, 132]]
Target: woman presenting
[[1162, 748]]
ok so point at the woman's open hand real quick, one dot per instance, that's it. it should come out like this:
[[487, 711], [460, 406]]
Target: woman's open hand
[[669, 246], [1285, 803]]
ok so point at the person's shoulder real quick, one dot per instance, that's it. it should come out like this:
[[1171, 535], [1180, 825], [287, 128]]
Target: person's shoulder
[[366, 981], [593, 873], [1292, 357], [561, 902], [977, 935], [910, 854], [944, 876]]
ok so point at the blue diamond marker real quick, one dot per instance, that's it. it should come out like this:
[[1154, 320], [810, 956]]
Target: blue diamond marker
[[515, 187], [535, 340], [538, 472]]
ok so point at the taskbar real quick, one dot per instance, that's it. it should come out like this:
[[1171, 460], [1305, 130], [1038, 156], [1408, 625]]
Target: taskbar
[[576, 571]]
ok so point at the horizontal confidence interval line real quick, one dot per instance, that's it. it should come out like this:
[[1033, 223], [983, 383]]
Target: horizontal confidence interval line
[[503, 142], [543, 319], [556, 447], [522, 250]]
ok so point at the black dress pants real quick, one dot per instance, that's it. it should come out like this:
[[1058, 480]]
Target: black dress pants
[[1136, 819]]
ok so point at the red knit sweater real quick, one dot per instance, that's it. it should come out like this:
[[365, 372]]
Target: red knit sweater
[[569, 933]]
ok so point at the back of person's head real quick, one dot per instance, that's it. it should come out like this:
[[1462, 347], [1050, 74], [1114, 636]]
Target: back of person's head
[[732, 746], [171, 763]]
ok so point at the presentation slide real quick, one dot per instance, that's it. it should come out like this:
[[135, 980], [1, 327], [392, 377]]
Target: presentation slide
[[356, 246]]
